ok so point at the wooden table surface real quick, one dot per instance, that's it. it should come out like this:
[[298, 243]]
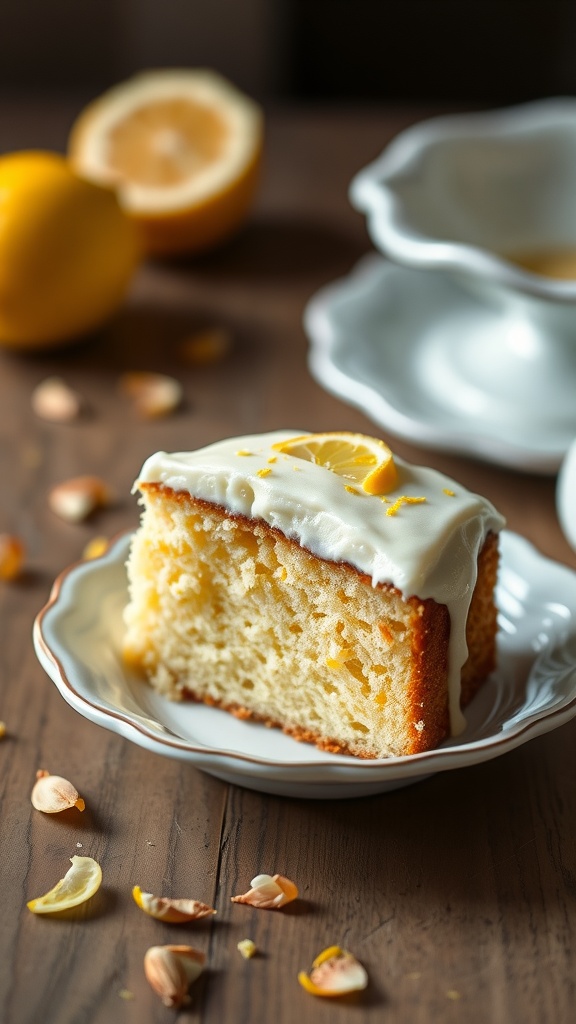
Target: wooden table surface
[[457, 893]]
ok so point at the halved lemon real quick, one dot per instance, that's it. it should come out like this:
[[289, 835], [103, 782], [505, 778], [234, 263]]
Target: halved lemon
[[183, 150], [80, 882], [364, 460]]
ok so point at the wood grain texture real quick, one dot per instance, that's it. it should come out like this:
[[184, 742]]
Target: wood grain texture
[[458, 893]]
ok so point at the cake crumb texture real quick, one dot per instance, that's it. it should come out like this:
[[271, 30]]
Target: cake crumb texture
[[228, 611]]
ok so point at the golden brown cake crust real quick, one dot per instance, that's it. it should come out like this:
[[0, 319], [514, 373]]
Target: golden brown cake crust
[[296, 732], [481, 625]]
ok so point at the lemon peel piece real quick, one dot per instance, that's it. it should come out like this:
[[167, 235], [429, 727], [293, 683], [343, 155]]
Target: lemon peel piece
[[334, 972], [269, 892], [12, 553], [173, 911], [363, 460], [206, 347], [404, 499], [247, 948], [79, 884], [95, 548]]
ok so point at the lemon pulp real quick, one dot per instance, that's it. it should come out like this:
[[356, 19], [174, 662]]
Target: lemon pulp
[[182, 148]]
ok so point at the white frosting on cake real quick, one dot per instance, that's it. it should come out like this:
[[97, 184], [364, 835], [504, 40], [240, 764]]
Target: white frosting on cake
[[427, 549]]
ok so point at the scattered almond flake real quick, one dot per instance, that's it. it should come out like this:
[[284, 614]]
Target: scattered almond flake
[[154, 394], [2, 730], [174, 911], [76, 499], [334, 972], [247, 948], [171, 970], [269, 892], [404, 499], [125, 993], [451, 494], [12, 554], [265, 471], [207, 346], [52, 794], [55, 400], [95, 548], [243, 451]]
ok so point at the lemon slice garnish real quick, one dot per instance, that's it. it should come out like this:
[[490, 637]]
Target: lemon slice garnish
[[364, 460], [80, 882]]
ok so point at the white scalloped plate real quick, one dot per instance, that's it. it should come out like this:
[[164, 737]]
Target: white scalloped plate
[[77, 637], [413, 351], [566, 495]]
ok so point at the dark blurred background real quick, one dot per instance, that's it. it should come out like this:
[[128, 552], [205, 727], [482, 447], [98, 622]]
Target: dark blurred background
[[465, 51]]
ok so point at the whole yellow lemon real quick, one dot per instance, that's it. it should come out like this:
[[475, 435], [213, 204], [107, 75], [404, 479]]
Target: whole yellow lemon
[[67, 252]]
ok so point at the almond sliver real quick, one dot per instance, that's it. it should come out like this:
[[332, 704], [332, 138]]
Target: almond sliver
[[269, 892], [53, 399], [173, 911], [76, 499], [171, 970], [52, 794], [334, 972], [154, 394]]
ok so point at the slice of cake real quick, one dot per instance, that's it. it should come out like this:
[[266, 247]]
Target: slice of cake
[[316, 584]]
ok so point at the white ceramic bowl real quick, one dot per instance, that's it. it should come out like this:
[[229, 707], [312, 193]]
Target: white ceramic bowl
[[462, 195], [460, 192]]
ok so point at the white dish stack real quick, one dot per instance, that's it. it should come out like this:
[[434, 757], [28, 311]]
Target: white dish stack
[[477, 308]]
